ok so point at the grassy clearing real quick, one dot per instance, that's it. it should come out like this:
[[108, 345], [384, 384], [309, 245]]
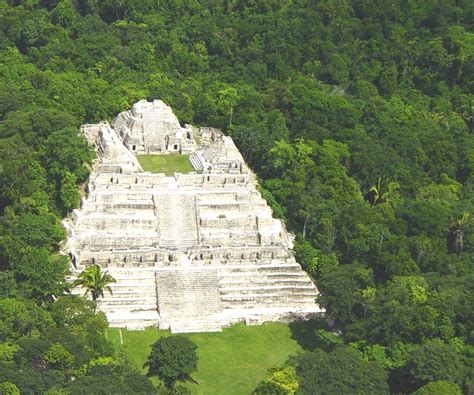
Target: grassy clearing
[[231, 362], [168, 164]]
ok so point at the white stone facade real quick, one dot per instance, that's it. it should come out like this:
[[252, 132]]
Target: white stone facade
[[192, 252], [151, 128]]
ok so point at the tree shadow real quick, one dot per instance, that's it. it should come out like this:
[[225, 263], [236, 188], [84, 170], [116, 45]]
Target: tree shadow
[[304, 332]]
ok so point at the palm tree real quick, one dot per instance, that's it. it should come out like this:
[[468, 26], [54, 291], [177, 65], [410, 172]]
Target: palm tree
[[95, 281], [467, 114], [458, 228], [380, 193]]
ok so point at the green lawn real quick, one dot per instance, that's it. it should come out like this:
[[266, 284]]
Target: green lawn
[[168, 164], [230, 362]]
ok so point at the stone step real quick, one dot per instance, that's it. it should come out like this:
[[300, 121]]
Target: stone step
[[103, 226], [281, 289], [133, 283], [261, 263], [127, 270], [124, 195], [130, 287], [134, 278], [183, 239], [135, 274], [138, 294], [146, 263], [299, 297], [127, 216], [270, 303], [237, 265], [271, 276], [292, 275], [230, 308], [133, 320], [151, 314], [259, 282], [194, 326], [197, 161], [123, 292], [138, 278], [280, 269], [107, 241], [128, 306], [133, 301], [127, 205], [184, 242], [131, 307]]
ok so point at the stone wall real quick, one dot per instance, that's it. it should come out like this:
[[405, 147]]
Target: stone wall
[[151, 127]]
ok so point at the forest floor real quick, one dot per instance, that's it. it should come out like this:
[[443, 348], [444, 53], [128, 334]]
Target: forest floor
[[233, 361], [168, 164]]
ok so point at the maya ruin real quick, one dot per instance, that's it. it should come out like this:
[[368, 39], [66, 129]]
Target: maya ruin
[[190, 252]]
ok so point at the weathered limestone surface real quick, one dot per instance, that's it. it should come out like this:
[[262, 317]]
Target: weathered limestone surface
[[192, 252], [151, 127]]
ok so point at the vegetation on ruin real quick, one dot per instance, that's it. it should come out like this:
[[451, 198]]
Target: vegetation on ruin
[[357, 115], [168, 164], [95, 281]]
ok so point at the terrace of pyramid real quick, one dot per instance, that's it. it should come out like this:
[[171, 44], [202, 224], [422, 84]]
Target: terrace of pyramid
[[190, 252]]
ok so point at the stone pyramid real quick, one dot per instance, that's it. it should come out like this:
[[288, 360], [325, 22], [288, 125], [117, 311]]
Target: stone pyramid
[[191, 252]]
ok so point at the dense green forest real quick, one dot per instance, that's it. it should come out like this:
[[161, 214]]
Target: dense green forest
[[357, 116]]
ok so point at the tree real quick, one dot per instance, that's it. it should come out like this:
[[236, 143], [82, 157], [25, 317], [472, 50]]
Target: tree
[[42, 230], [380, 193], [402, 312], [343, 371], [40, 274], [69, 193], [269, 388], [7, 388], [340, 288], [228, 99], [58, 357], [64, 13], [95, 281], [439, 388], [282, 381], [458, 230], [73, 311], [82, 331], [110, 379], [21, 318], [172, 358], [435, 361]]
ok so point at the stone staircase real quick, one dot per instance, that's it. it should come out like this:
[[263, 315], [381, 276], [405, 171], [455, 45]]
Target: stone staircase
[[115, 220], [133, 299], [198, 161], [177, 220], [195, 326], [189, 299], [274, 285]]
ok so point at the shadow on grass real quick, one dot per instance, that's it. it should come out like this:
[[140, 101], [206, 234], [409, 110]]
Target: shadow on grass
[[305, 333]]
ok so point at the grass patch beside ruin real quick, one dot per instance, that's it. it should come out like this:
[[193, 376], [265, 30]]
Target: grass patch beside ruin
[[168, 164], [233, 361]]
